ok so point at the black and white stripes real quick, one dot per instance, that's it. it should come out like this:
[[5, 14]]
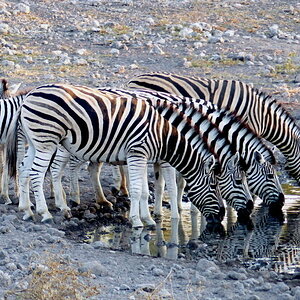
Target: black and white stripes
[[261, 112], [98, 127]]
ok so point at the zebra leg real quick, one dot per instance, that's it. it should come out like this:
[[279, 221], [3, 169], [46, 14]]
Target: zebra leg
[[21, 149], [37, 173], [24, 199], [4, 183], [58, 165], [94, 170], [137, 169], [120, 182], [144, 202], [123, 186], [159, 189], [74, 186], [169, 174], [181, 183]]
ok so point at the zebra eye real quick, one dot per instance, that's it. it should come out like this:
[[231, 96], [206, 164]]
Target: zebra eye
[[239, 181], [270, 176]]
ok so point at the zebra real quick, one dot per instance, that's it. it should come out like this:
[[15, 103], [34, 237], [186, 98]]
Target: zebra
[[256, 155], [260, 111], [10, 101], [231, 182], [97, 127]]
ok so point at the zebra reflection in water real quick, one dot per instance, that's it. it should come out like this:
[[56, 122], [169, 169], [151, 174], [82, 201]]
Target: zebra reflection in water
[[270, 238]]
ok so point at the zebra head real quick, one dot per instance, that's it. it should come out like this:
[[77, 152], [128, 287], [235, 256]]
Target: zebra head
[[203, 190], [263, 181], [233, 186]]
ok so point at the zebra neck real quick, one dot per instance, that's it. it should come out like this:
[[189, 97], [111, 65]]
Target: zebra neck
[[280, 128]]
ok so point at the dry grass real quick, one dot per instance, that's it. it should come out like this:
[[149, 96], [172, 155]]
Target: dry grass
[[55, 279]]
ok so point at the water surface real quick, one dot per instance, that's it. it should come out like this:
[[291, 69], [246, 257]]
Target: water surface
[[272, 242]]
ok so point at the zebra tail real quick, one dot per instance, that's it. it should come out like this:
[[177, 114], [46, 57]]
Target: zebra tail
[[12, 146]]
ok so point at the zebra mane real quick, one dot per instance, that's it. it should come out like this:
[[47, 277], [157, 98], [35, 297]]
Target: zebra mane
[[273, 103]]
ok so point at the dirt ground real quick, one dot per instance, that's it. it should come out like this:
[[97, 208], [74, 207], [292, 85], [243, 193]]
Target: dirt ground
[[105, 43]]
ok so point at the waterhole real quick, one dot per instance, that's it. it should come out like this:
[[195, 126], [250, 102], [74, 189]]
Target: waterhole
[[272, 242]]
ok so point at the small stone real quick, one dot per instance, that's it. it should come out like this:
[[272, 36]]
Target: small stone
[[23, 8], [11, 266], [204, 265], [125, 287], [215, 40], [114, 51], [4, 28], [5, 279], [157, 272], [186, 32], [236, 276], [150, 21], [81, 62], [8, 63], [198, 45], [99, 244], [273, 30], [94, 267], [81, 51]]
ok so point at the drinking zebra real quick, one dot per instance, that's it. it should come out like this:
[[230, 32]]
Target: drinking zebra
[[257, 157], [261, 112], [97, 127], [231, 182]]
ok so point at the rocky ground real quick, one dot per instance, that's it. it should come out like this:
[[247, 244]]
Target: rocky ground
[[105, 43]]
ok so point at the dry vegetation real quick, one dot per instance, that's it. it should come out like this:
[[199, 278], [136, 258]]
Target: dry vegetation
[[55, 279]]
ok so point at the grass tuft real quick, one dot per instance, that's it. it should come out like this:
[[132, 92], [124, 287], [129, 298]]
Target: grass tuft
[[55, 279]]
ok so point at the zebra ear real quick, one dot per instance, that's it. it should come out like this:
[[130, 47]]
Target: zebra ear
[[234, 160], [209, 164], [258, 157], [3, 88], [14, 88]]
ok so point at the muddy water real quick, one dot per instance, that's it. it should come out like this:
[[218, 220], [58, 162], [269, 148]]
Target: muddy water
[[273, 242]]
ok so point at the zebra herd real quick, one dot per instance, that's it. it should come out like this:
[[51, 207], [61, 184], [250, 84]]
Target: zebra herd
[[210, 131]]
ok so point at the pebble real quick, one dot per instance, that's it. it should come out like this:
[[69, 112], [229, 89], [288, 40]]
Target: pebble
[[4, 28], [114, 51], [236, 276], [23, 8], [157, 272], [94, 267], [204, 265]]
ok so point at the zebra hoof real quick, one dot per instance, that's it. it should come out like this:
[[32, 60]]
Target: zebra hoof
[[67, 214], [29, 218], [115, 191], [136, 222], [8, 202], [48, 221]]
